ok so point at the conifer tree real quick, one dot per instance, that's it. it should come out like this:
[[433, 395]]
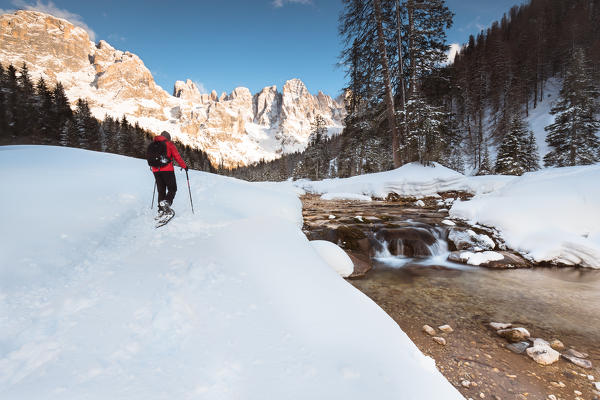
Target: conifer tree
[[44, 110], [424, 123], [486, 162], [4, 136], [517, 154], [61, 114], [573, 135], [25, 115], [12, 102]]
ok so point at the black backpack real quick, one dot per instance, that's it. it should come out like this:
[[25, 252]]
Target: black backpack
[[156, 154]]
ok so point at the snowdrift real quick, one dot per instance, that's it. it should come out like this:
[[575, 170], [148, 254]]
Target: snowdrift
[[232, 302], [409, 180], [550, 215]]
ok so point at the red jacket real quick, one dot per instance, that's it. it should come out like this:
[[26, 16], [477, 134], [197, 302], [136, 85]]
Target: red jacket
[[172, 153]]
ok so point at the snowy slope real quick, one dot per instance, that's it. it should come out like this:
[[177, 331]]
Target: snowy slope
[[232, 302], [539, 117]]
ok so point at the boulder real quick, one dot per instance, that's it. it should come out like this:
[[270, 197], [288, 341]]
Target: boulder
[[514, 335], [446, 328], [542, 353]]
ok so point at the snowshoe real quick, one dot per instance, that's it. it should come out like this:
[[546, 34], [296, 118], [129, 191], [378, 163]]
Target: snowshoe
[[167, 216]]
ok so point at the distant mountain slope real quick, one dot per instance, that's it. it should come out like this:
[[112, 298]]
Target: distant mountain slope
[[234, 129]]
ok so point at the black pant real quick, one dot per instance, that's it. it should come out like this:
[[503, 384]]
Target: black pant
[[166, 180]]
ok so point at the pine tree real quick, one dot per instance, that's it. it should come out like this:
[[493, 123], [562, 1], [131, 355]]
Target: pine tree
[[573, 136], [455, 160], [4, 135], [486, 162], [532, 158], [315, 163], [517, 154], [44, 110], [25, 115], [424, 123], [61, 114], [12, 102]]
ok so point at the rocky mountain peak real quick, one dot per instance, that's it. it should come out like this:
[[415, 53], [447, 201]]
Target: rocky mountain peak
[[295, 88], [187, 90]]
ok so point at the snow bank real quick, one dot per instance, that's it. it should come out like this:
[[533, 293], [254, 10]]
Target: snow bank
[[411, 179], [334, 256], [232, 302], [549, 215]]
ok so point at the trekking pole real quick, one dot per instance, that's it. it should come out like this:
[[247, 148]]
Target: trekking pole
[[154, 191], [189, 190]]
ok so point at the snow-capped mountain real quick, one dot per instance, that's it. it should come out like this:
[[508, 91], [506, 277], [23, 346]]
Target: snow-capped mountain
[[234, 129]]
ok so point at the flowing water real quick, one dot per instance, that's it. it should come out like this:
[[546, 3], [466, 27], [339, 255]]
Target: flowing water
[[414, 283], [560, 302]]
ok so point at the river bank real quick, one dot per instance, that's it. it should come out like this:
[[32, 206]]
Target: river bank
[[420, 289]]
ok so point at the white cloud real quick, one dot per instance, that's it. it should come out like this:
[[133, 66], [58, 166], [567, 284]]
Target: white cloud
[[281, 3], [52, 9], [6, 11], [201, 87], [454, 49]]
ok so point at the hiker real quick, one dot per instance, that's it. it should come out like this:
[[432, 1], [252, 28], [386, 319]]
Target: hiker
[[165, 173]]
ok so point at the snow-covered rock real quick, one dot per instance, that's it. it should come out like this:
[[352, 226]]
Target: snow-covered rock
[[480, 258], [469, 240], [334, 256]]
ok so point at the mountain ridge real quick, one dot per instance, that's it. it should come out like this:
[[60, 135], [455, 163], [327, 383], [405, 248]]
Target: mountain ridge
[[233, 129]]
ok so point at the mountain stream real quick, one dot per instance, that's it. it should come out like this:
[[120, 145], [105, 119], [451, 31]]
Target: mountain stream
[[403, 248]]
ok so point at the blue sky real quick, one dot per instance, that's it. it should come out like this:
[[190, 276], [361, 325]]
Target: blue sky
[[228, 43]]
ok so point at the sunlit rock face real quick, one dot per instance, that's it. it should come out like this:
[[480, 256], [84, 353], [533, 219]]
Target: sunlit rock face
[[234, 129]]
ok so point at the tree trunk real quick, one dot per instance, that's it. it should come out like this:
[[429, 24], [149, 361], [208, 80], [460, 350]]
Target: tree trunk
[[401, 73], [389, 99], [411, 46]]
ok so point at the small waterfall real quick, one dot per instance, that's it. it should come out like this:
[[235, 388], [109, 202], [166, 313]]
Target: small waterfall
[[418, 244]]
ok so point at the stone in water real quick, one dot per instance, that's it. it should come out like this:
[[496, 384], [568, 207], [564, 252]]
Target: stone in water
[[518, 348], [428, 330], [514, 335], [580, 362], [557, 345], [439, 340], [446, 328], [542, 353]]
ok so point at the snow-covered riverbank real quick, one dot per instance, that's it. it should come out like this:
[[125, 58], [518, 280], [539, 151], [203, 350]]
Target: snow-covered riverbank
[[551, 215], [230, 302]]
